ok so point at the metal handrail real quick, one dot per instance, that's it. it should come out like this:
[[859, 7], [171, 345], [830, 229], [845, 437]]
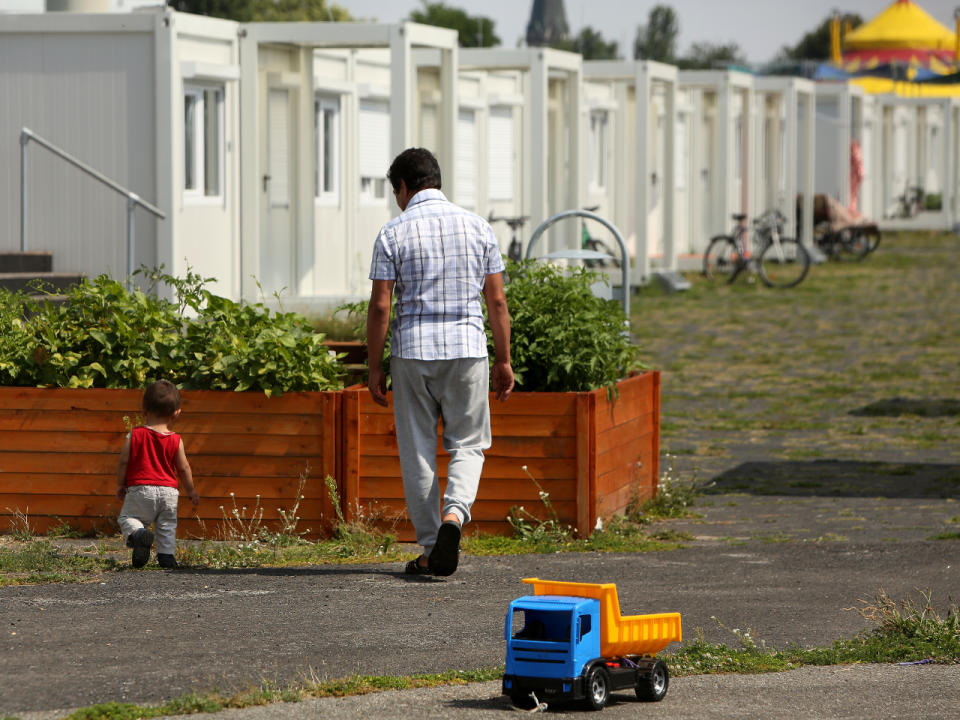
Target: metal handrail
[[26, 135]]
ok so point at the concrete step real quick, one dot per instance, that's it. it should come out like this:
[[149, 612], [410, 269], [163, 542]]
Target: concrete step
[[26, 262], [52, 281]]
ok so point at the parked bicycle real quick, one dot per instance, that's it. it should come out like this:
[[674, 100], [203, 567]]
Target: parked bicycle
[[588, 242], [908, 204], [515, 249], [780, 262]]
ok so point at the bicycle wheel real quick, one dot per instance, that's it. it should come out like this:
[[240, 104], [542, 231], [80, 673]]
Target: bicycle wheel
[[721, 258], [855, 242], [873, 237], [784, 263]]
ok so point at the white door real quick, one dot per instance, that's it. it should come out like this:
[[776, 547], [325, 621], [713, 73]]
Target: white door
[[704, 171], [654, 182], [681, 199], [740, 118], [277, 254], [500, 155]]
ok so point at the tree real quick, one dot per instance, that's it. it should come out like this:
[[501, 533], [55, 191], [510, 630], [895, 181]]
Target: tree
[[264, 10], [590, 44], [657, 40], [706, 55], [815, 45], [474, 31]]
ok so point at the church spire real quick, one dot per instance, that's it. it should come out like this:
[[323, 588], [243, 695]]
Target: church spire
[[548, 23]]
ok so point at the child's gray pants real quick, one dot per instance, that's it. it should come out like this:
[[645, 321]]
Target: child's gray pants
[[423, 392], [146, 504]]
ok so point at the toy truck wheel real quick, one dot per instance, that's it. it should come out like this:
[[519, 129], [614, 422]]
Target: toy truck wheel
[[597, 688], [524, 702], [653, 687]]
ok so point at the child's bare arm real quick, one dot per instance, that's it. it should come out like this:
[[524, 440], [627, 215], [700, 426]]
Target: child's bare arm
[[122, 469], [186, 475]]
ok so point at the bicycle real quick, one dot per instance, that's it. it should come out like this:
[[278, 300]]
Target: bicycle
[[907, 205], [780, 262], [588, 242], [516, 223]]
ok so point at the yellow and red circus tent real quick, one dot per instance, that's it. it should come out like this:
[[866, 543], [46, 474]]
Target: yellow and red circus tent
[[904, 32], [903, 42]]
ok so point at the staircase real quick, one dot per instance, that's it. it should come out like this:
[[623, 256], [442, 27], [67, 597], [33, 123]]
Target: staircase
[[20, 272]]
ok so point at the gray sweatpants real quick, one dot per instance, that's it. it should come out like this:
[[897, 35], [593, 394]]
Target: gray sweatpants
[[423, 392], [156, 504]]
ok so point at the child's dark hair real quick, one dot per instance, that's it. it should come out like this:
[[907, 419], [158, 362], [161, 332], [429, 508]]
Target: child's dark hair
[[161, 398], [417, 167]]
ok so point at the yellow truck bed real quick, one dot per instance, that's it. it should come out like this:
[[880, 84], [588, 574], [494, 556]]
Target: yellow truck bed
[[619, 634]]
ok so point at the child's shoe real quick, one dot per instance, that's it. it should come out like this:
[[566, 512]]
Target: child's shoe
[[167, 561], [140, 541]]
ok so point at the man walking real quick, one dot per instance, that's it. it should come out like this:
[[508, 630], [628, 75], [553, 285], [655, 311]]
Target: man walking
[[438, 259]]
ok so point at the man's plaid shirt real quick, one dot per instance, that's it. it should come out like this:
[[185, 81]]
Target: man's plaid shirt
[[439, 255]]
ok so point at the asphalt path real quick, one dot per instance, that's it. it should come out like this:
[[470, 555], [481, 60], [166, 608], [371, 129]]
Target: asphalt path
[[151, 636]]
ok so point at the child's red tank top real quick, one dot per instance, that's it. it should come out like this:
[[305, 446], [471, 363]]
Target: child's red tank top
[[152, 458]]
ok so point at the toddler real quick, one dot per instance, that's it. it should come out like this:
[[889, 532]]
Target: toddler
[[151, 461]]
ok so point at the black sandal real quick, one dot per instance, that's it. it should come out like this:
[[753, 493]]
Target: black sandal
[[415, 568], [445, 556]]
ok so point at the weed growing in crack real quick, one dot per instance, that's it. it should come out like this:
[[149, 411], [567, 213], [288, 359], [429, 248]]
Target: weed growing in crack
[[675, 496], [529, 527]]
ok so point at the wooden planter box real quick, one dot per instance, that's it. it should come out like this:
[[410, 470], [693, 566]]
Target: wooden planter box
[[591, 453], [59, 451]]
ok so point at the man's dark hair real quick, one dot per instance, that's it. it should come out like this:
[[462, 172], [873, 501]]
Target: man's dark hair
[[417, 167], [161, 398]]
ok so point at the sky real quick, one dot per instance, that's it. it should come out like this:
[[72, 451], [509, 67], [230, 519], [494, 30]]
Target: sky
[[759, 27]]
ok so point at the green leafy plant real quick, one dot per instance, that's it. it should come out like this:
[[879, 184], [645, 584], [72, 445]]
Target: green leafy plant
[[104, 335], [563, 337]]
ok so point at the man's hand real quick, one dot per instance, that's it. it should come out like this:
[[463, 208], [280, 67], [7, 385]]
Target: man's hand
[[502, 378], [121, 492], [377, 384]]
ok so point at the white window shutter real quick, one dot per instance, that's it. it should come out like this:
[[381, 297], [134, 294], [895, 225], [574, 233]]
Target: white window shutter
[[374, 138]]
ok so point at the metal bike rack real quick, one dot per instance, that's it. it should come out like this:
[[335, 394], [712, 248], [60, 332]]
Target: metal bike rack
[[579, 254]]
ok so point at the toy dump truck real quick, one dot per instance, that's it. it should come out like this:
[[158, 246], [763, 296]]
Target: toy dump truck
[[569, 641]]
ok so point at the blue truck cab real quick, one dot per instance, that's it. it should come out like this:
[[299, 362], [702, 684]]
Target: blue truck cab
[[555, 652], [550, 639]]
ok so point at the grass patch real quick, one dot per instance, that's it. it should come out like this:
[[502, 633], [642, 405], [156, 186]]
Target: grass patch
[[39, 560], [907, 631], [295, 692], [946, 536]]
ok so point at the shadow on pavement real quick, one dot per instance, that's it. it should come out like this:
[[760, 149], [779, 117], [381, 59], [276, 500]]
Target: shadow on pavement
[[394, 569], [924, 407], [841, 478]]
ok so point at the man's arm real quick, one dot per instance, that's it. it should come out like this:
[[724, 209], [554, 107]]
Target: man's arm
[[499, 315], [378, 321]]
